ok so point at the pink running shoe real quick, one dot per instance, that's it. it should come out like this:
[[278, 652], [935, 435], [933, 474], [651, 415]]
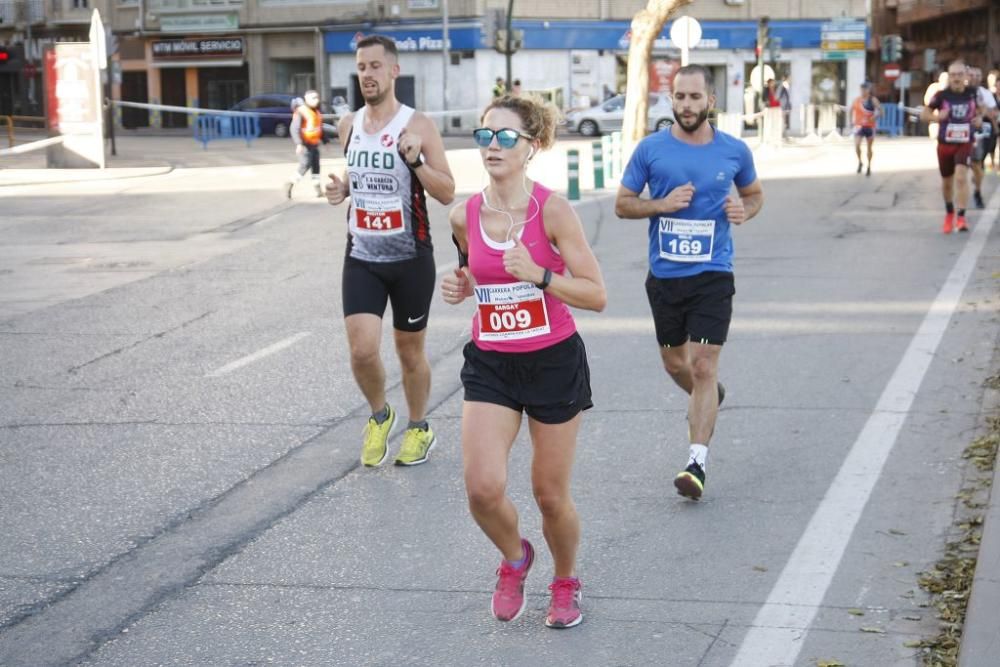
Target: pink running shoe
[[508, 598], [564, 609], [949, 223]]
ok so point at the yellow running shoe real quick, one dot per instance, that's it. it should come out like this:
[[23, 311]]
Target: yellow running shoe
[[374, 451], [417, 445]]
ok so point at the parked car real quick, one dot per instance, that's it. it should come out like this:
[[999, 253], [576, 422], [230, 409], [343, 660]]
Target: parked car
[[279, 104], [276, 113], [610, 114]]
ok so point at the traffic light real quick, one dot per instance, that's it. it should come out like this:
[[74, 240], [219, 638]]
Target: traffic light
[[774, 46], [763, 34], [892, 48], [516, 40], [5, 55]]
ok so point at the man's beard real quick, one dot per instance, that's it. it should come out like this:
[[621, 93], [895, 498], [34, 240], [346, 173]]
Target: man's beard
[[693, 127], [375, 98]]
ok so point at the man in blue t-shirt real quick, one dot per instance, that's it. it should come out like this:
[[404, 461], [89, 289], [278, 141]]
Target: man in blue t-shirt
[[690, 170]]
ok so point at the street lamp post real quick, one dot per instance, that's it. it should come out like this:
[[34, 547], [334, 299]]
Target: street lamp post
[[446, 59]]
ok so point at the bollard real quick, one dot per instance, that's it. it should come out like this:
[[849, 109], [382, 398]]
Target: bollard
[[573, 173], [155, 119], [616, 154], [606, 151], [598, 165]]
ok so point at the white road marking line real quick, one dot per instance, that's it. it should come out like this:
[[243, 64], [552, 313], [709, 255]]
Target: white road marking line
[[780, 628], [258, 355]]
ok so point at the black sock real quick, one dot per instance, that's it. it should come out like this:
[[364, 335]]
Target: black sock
[[422, 425], [949, 207], [382, 415], [961, 212], [979, 194]]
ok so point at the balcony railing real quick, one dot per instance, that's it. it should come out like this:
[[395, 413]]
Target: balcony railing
[[190, 5], [19, 12]]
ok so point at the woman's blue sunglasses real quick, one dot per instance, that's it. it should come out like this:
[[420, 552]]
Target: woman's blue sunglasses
[[506, 137]]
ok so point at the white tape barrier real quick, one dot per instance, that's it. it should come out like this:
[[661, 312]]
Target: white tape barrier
[[33, 146], [220, 112]]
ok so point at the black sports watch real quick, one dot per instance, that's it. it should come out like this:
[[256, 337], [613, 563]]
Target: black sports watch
[[546, 279], [414, 165]]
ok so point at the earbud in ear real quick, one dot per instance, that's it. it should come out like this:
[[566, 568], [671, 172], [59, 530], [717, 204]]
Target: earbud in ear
[[531, 151]]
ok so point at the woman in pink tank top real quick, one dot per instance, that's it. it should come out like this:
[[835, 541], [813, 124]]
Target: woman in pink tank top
[[525, 261]]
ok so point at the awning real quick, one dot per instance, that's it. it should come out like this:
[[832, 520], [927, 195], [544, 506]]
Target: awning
[[194, 62]]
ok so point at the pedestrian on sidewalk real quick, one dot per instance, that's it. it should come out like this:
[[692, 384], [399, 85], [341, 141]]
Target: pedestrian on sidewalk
[[395, 158], [524, 257], [306, 131], [690, 172]]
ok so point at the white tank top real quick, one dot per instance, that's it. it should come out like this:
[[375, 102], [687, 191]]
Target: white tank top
[[387, 217]]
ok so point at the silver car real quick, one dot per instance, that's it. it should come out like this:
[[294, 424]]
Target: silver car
[[610, 114]]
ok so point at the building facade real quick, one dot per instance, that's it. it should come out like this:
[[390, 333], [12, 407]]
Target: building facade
[[934, 33], [213, 53]]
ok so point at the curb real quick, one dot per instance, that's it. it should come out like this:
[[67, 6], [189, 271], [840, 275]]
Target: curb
[[62, 176], [980, 643]]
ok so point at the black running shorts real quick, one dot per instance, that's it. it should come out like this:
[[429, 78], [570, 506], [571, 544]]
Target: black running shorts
[[697, 308], [408, 285], [552, 385]]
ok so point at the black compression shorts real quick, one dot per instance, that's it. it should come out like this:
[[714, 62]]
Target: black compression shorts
[[408, 285]]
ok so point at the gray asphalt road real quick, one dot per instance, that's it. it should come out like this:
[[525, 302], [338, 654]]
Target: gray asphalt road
[[179, 434]]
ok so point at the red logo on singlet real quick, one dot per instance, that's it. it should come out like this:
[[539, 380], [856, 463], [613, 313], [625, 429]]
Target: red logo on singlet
[[387, 140]]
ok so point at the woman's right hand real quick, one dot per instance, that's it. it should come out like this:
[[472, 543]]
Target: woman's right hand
[[455, 287]]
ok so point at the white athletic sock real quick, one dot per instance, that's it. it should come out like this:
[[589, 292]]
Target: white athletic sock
[[699, 454]]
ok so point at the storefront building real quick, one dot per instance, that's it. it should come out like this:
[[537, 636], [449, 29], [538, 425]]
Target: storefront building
[[576, 63]]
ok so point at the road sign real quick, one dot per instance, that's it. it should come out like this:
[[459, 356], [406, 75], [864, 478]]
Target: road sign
[[755, 77], [841, 39], [685, 32], [892, 72]]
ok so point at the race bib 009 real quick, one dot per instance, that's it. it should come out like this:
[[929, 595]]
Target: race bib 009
[[513, 311], [686, 240]]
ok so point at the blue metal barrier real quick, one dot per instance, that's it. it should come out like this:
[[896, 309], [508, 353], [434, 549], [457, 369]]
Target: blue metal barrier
[[209, 127], [891, 120]]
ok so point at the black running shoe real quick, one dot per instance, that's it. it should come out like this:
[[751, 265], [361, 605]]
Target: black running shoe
[[979, 200], [869, 172], [860, 167], [691, 481]]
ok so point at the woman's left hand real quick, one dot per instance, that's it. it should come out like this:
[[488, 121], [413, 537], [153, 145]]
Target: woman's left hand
[[518, 262]]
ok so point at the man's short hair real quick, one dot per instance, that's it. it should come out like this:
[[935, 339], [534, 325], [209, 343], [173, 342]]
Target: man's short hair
[[387, 43], [706, 74]]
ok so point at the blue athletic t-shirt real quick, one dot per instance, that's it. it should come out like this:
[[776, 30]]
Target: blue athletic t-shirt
[[697, 238]]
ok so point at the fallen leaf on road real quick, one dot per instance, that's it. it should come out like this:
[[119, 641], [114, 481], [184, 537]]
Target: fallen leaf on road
[[868, 628], [830, 663], [759, 568], [856, 612], [893, 531]]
